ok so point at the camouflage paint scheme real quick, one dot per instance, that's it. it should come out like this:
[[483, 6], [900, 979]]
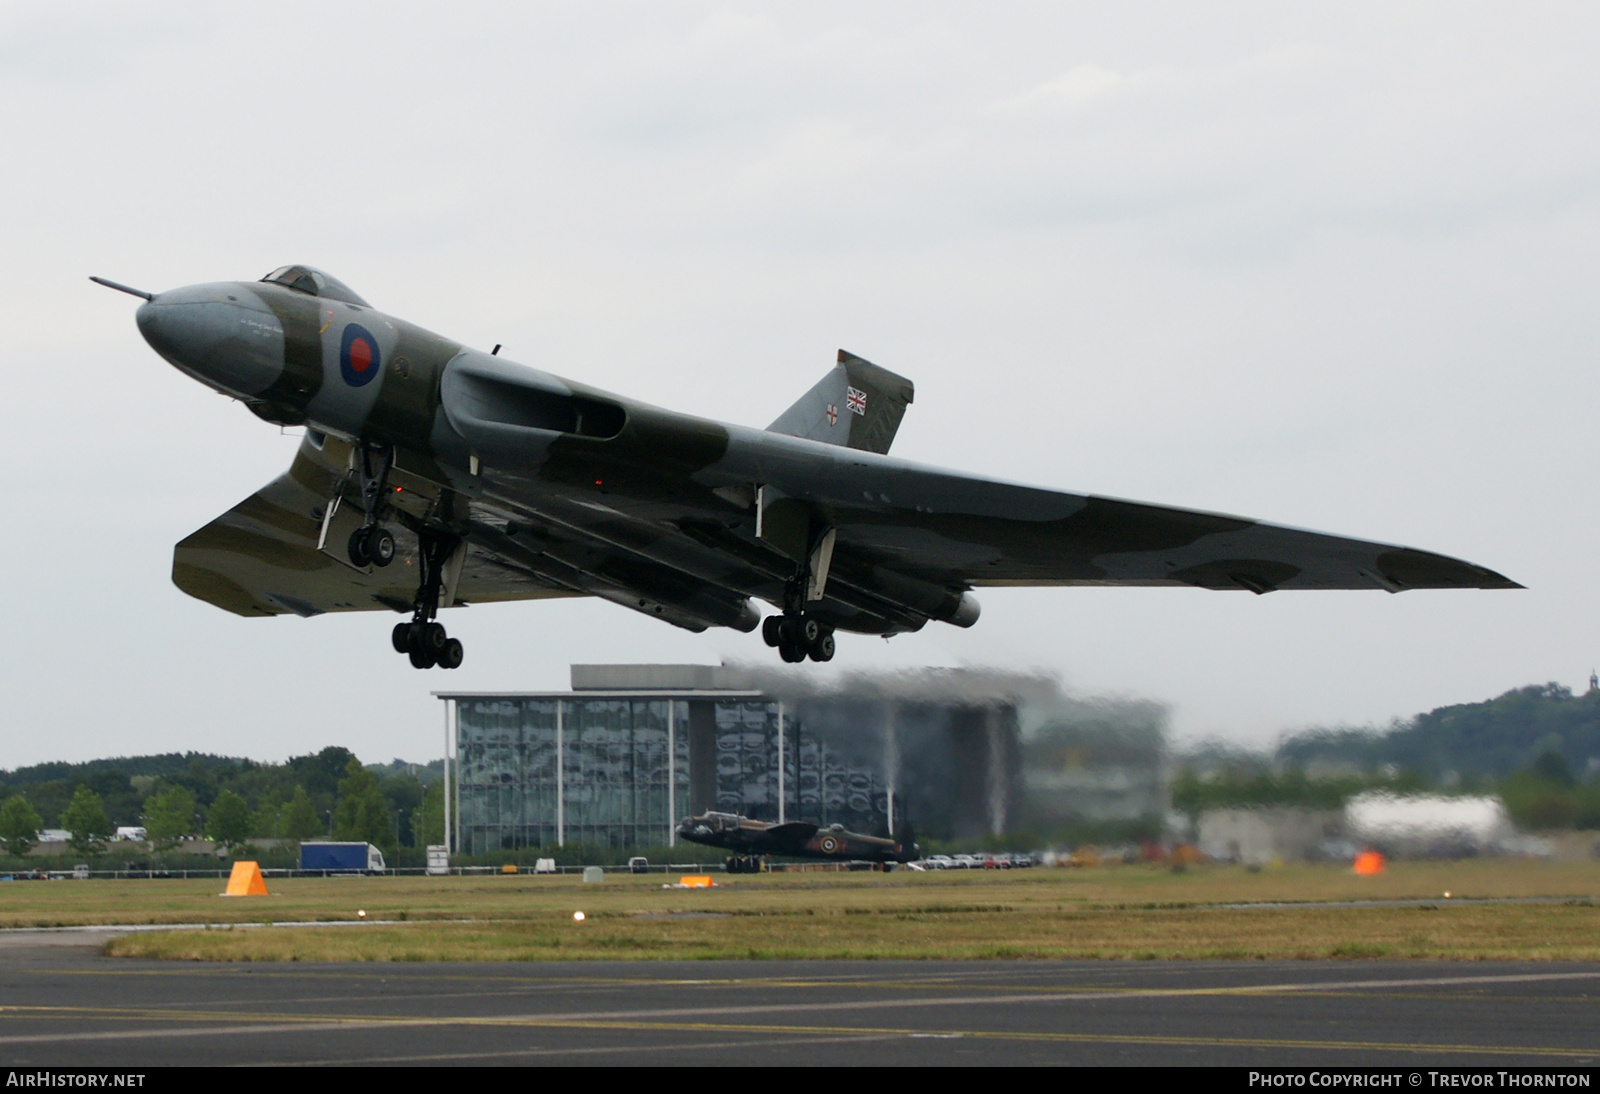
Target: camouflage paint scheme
[[796, 839], [555, 488]]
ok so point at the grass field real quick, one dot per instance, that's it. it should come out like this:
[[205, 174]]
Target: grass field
[[1111, 912]]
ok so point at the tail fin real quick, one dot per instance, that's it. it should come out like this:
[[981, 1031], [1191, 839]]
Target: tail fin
[[858, 405]]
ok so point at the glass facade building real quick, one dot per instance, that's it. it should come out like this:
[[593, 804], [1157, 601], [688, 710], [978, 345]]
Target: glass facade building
[[619, 770], [632, 749], [540, 771]]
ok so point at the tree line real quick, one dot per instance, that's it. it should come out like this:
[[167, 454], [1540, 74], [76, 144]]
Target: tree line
[[1545, 795], [1491, 739], [1536, 747], [328, 794]]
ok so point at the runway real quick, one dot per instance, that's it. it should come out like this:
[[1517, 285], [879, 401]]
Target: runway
[[64, 1004]]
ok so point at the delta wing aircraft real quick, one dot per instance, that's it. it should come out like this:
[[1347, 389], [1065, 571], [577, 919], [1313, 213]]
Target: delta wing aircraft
[[434, 475]]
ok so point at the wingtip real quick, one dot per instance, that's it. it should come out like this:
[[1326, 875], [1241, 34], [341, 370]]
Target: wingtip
[[1490, 579]]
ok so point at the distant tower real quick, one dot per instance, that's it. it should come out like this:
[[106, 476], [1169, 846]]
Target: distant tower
[[1594, 681]]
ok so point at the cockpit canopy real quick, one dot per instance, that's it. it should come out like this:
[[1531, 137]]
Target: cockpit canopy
[[308, 280]]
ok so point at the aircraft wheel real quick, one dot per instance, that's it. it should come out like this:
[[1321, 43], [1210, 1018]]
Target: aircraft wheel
[[421, 658], [358, 548], [792, 653], [808, 632], [823, 650], [450, 656], [772, 630], [380, 546], [402, 637], [431, 637], [732, 865]]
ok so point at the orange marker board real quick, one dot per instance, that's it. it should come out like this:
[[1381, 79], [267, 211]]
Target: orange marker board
[[246, 880], [1368, 863]]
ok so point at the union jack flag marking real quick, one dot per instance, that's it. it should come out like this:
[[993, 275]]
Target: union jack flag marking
[[833, 415], [855, 400]]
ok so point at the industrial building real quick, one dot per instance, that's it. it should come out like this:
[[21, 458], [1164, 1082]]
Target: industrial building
[[630, 749]]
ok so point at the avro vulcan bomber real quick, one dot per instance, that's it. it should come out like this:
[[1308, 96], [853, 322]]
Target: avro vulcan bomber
[[434, 475]]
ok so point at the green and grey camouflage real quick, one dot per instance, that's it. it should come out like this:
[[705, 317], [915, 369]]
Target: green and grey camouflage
[[433, 475]]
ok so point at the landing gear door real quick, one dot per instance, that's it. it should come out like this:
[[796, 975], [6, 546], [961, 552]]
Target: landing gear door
[[452, 574]]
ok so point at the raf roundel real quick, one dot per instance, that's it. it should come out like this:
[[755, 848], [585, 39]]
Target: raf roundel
[[358, 355]]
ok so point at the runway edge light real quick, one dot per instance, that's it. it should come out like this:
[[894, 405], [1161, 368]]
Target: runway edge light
[[246, 880]]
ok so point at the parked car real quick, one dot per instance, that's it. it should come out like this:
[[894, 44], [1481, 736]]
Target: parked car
[[639, 864]]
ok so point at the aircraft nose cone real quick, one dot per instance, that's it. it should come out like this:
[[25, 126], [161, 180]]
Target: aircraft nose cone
[[162, 327], [219, 334]]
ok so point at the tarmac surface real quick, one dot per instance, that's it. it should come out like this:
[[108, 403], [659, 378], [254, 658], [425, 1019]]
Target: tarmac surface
[[63, 1004]]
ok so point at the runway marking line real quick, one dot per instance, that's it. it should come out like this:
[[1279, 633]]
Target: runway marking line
[[175, 1009], [866, 980], [311, 1024], [1092, 1038], [1071, 996], [1066, 992], [606, 1050], [237, 1023]]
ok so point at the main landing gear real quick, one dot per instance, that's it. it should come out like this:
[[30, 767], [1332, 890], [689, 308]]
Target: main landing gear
[[423, 639], [797, 637], [743, 864], [428, 645], [796, 634]]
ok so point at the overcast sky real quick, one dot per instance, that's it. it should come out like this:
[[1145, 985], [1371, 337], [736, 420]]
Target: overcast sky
[[1332, 266]]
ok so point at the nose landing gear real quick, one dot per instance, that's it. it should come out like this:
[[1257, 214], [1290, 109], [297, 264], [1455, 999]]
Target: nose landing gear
[[372, 544]]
